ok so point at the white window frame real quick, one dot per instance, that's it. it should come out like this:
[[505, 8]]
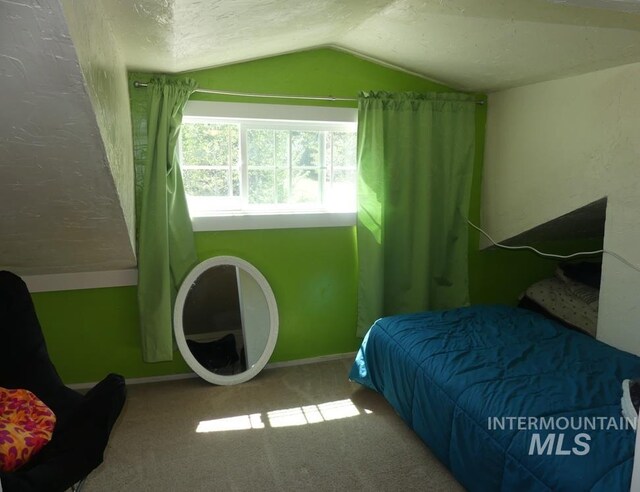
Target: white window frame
[[286, 117]]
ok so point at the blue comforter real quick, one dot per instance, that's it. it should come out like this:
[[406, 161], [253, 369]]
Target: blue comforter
[[507, 399]]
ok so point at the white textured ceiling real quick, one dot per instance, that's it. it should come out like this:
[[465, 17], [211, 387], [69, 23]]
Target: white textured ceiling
[[482, 45]]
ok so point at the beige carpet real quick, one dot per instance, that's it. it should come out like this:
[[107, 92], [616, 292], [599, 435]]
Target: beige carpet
[[289, 429]]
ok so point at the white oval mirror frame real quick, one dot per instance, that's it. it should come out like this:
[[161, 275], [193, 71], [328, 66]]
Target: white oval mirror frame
[[178, 326]]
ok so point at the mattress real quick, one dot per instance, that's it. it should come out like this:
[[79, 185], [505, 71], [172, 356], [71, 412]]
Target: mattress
[[505, 398]]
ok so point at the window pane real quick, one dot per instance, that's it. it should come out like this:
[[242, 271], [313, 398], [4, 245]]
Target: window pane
[[209, 144], [344, 149], [282, 185], [261, 186], [206, 182], [305, 187], [297, 166], [260, 148], [305, 149], [343, 190], [235, 182], [282, 148]]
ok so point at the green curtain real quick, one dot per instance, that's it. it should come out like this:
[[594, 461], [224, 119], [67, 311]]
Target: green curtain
[[415, 165], [166, 247]]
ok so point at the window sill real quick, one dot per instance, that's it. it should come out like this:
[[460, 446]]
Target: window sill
[[291, 220]]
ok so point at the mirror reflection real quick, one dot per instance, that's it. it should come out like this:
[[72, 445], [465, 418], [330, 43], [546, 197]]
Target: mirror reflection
[[226, 320]]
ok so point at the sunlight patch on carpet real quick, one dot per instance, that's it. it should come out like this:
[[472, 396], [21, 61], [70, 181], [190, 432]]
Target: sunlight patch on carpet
[[286, 417], [241, 422]]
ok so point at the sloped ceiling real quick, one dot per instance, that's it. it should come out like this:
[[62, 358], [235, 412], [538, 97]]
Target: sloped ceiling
[[59, 207], [481, 45]]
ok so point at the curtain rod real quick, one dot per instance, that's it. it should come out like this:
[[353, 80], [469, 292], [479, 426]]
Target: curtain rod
[[140, 85]]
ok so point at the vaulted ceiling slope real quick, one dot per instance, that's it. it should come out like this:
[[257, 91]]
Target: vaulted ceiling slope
[[480, 45], [66, 176], [60, 210]]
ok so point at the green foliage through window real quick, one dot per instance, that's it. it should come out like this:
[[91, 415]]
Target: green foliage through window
[[269, 165]]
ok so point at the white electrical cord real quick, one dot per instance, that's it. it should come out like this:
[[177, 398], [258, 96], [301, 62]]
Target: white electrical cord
[[552, 255]]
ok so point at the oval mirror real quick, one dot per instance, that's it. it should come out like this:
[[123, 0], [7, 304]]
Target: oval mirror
[[226, 320]]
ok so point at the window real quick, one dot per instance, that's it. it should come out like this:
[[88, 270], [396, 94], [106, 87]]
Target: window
[[284, 160]]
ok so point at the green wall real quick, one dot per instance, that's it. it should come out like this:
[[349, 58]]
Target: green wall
[[318, 72], [313, 276], [93, 332], [312, 271]]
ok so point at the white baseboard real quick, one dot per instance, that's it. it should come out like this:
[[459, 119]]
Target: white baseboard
[[149, 379], [191, 375], [310, 360]]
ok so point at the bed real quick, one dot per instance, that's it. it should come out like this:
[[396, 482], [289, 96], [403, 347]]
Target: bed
[[464, 379]]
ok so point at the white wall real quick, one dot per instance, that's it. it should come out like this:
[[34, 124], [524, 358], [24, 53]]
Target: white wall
[[106, 82], [555, 146]]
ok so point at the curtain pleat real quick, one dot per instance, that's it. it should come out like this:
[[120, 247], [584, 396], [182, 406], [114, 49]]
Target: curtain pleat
[[415, 166], [166, 246]]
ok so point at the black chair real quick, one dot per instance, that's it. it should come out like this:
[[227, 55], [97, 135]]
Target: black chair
[[83, 422]]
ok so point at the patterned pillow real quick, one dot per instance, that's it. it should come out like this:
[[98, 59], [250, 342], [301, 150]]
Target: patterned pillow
[[572, 302], [26, 425]]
